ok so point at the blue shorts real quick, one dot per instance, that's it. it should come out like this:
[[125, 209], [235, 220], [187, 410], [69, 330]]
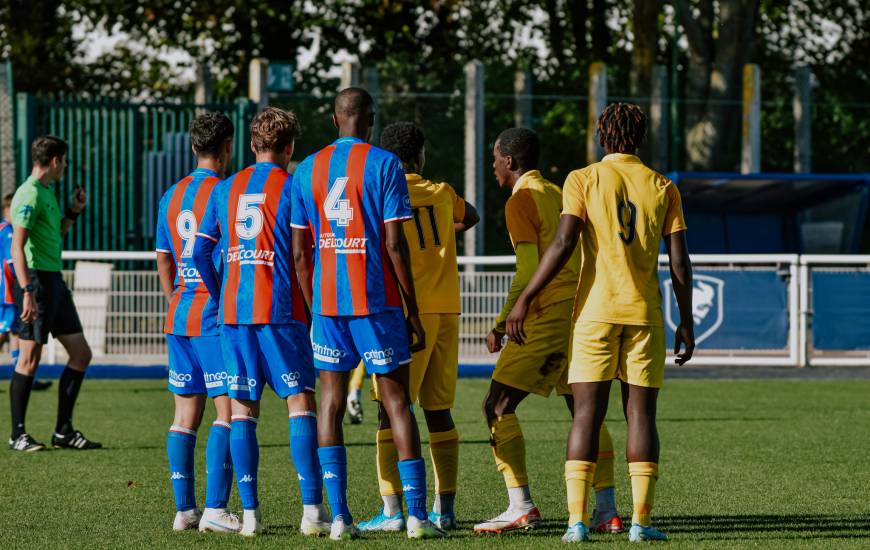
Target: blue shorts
[[8, 318], [380, 340], [196, 365], [279, 355]]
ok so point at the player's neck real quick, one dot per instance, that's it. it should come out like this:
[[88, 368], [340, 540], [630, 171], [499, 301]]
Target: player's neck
[[359, 131], [210, 164], [269, 156], [42, 175]]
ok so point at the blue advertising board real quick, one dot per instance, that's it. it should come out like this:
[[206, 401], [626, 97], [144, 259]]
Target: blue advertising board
[[732, 309], [841, 310]]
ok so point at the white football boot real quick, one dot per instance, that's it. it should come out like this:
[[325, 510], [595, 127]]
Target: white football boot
[[219, 520], [343, 531], [251, 525], [189, 519], [316, 522]]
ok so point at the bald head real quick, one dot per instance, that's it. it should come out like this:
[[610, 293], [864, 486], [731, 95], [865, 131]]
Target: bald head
[[353, 102]]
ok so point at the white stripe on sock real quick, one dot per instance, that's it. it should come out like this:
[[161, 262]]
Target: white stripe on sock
[[182, 429], [298, 414]]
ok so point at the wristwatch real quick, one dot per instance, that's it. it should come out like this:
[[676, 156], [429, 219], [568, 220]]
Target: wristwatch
[[29, 287]]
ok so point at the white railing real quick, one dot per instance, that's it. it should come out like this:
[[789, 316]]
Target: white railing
[[136, 308]]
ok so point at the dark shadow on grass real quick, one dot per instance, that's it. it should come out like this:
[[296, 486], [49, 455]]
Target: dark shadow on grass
[[764, 525], [722, 419]]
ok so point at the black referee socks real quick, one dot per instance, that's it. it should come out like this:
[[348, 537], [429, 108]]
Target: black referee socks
[[68, 391], [19, 395]]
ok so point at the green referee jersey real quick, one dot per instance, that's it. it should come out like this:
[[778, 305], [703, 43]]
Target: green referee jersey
[[34, 208]]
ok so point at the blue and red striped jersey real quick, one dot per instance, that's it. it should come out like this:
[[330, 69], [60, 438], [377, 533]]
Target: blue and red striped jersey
[[7, 280], [192, 312], [249, 215], [345, 193]]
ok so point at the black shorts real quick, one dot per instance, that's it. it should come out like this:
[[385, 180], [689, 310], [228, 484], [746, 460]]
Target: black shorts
[[54, 304]]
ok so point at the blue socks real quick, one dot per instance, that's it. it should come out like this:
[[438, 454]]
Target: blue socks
[[413, 475], [180, 443], [303, 451], [218, 466], [333, 463], [246, 458]]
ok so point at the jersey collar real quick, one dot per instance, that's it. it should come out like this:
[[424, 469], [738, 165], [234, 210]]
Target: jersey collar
[[206, 171], [348, 139], [269, 165], [621, 157], [525, 179]]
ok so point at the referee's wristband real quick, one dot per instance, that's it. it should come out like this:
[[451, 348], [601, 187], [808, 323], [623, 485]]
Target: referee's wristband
[[70, 215]]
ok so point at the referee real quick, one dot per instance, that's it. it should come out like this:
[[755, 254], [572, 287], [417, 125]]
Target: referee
[[43, 298]]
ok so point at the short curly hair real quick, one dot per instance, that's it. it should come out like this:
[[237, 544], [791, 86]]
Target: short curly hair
[[622, 127], [273, 128], [522, 144], [208, 133], [403, 139]]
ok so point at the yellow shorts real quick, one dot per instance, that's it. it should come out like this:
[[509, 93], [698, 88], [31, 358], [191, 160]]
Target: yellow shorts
[[434, 370], [541, 363], [605, 351]]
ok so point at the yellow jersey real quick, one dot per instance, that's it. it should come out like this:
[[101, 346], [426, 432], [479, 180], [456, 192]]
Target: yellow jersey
[[432, 241], [532, 215], [627, 208]]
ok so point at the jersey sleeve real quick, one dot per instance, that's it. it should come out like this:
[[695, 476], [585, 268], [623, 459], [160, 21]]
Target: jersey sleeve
[[574, 195], [25, 207], [298, 214], [164, 239], [458, 204], [209, 226], [674, 220], [521, 215], [397, 201]]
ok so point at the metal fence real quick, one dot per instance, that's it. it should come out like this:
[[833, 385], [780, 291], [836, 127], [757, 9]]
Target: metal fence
[[132, 317]]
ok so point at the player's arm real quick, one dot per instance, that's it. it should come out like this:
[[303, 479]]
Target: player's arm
[[166, 273], [553, 260], [207, 237], [77, 204], [469, 219], [681, 279], [400, 260], [527, 263], [19, 261], [302, 246]]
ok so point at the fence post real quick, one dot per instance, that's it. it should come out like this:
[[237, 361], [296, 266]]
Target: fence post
[[349, 75], [372, 84], [258, 81], [25, 131], [202, 94], [750, 158], [474, 192], [597, 103], [803, 119], [8, 177], [657, 119], [523, 98]]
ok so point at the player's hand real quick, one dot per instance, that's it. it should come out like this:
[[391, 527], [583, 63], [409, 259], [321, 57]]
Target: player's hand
[[28, 309], [79, 200], [684, 337], [493, 341], [514, 323], [416, 333]]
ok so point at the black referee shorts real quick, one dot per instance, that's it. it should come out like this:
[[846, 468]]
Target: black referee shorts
[[54, 304]]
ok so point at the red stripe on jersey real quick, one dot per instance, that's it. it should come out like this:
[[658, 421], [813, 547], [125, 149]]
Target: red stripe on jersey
[[392, 297], [319, 190], [194, 314], [231, 292], [356, 263], [263, 274], [177, 246], [8, 281]]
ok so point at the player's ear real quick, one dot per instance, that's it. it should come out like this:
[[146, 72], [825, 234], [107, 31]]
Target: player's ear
[[335, 120], [288, 149], [253, 149]]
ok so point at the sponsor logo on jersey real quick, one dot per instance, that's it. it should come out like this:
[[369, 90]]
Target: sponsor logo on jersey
[[708, 306], [179, 379], [291, 379], [188, 274], [241, 383], [250, 256], [379, 357], [215, 379], [342, 245], [326, 353]]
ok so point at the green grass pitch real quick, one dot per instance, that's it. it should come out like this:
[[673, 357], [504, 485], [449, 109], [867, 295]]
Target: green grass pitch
[[764, 463]]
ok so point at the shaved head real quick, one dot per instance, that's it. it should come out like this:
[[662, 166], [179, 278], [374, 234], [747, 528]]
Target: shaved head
[[353, 102]]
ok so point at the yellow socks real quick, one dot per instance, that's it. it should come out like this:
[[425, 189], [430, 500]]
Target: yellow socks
[[509, 449], [604, 469], [389, 481], [578, 479], [444, 448], [643, 490]]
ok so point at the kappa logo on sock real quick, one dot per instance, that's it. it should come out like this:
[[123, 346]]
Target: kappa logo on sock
[[300, 477], [247, 478], [408, 488], [177, 475], [329, 475]]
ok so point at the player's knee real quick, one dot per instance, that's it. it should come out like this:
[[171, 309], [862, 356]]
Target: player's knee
[[81, 358], [439, 421], [27, 365]]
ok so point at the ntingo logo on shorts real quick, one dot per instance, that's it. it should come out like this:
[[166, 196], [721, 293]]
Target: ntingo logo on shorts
[[241, 383], [215, 379], [379, 357], [179, 379], [708, 305], [291, 379], [326, 353]]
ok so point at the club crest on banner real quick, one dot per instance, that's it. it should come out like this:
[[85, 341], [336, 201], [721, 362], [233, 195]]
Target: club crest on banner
[[708, 305]]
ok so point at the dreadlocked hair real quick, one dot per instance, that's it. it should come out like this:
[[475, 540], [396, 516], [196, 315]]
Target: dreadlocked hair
[[621, 127]]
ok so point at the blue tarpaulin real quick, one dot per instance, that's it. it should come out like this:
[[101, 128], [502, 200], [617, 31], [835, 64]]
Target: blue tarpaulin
[[841, 310]]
